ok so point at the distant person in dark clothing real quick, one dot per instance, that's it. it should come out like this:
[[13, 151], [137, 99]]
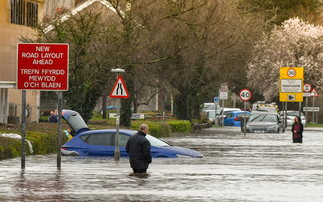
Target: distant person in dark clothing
[[297, 130], [52, 118], [138, 148]]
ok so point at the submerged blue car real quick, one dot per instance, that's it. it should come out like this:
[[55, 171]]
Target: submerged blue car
[[88, 142]]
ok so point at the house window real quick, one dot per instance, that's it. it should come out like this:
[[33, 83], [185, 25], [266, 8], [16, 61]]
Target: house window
[[24, 13]]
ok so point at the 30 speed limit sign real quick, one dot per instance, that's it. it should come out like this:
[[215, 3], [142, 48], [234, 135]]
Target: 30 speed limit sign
[[245, 95]]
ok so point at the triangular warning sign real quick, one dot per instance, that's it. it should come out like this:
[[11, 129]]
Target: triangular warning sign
[[314, 93], [119, 90]]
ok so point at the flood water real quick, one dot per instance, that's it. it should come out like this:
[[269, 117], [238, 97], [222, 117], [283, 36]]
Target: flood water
[[255, 167]]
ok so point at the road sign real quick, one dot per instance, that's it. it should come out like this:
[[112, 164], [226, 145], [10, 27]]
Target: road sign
[[216, 99], [42, 66], [223, 95], [245, 95], [307, 94], [291, 84], [311, 109], [119, 90], [314, 93], [307, 88], [224, 87], [291, 72]]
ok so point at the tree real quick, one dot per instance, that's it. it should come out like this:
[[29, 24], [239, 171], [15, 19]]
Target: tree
[[295, 43], [88, 68], [277, 11]]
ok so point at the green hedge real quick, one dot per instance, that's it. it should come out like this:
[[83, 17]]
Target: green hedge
[[180, 126], [41, 144], [156, 129]]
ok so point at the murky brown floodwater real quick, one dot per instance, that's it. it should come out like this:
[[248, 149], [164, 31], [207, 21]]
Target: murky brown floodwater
[[258, 167]]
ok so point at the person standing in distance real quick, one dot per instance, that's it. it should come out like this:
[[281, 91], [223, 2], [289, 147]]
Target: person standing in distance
[[138, 148], [297, 130]]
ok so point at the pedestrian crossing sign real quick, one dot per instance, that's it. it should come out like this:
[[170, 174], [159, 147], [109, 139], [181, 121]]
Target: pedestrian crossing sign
[[119, 90]]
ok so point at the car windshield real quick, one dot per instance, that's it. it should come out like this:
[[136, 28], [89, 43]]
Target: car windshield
[[263, 118], [156, 142], [294, 114]]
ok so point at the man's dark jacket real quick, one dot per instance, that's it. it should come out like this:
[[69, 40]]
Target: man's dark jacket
[[53, 119], [138, 148]]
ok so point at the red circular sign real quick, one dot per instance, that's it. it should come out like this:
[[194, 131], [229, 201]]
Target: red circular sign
[[291, 72], [245, 94], [224, 87], [307, 88]]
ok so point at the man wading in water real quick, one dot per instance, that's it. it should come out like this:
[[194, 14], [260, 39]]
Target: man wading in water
[[138, 148]]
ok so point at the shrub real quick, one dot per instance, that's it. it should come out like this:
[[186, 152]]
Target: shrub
[[42, 143], [180, 126], [156, 129]]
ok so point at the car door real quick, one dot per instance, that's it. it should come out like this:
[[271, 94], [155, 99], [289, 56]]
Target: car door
[[98, 144], [123, 139], [228, 119]]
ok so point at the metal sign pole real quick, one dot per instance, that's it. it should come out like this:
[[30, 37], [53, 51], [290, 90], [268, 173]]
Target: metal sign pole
[[222, 113], [306, 111], [23, 130], [285, 115], [244, 122], [59, 136], [313, 111], [117, 151]]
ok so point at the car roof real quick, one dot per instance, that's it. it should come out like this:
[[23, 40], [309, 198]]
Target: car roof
[[263, 113]]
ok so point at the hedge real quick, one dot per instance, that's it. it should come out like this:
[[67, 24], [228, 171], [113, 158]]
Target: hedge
[[180, 126], [156, 129], [41, 144]]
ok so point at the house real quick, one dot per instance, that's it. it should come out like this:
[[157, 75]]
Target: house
[[17, 19]]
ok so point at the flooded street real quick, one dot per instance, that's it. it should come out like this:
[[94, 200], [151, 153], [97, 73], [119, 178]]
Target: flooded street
[[255, 167]]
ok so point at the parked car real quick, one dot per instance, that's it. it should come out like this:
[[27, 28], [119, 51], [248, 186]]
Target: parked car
[[224, 112], [291, 117], [87, 142], [210, 114], [234, 118], [265, 122], [210, 106]]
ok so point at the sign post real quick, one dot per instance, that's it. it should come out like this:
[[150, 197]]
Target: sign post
[[307, 93], [290, 86], [313, 95], [44, 67], [216, 101], [245, 96], [119, 91], [223, 95]]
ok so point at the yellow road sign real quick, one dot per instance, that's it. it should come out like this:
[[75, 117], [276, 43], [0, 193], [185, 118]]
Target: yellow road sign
[[291, 84]]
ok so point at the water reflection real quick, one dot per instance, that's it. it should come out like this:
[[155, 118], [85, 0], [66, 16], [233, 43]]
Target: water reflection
[[257, 167]]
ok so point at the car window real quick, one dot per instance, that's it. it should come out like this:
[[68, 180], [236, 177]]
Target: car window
[[229, 115], [100, 139], [294, 114], [123, 139], [242, 114]]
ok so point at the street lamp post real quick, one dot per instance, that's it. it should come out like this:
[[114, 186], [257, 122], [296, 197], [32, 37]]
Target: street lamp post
[[117, 150]]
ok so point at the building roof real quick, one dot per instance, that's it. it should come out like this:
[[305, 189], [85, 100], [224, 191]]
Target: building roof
[[81, 7]]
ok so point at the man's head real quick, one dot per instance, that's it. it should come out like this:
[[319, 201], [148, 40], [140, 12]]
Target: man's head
[[144, 128], [52, 113]]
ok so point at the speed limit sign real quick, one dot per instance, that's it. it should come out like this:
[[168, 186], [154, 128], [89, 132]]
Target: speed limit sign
[[291, 72], [245, 95]]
